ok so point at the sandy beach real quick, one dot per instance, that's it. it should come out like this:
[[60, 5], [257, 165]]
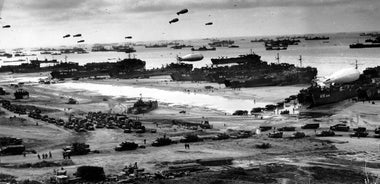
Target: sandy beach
[[52, 99]]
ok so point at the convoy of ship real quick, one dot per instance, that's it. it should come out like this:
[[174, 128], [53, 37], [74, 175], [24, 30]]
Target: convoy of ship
[[234, 72], [242, 71], [369, 43], [114, 48]]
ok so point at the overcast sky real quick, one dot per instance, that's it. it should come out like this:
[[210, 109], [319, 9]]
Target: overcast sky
[[44, 22]]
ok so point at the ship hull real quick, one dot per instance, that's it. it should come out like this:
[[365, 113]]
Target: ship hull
[[252, 58], [333, 97], [367, 87], [360, 46], [250, 83], [250, 71]]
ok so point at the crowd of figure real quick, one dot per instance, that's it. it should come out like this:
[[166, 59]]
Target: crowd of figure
[[44, 156]]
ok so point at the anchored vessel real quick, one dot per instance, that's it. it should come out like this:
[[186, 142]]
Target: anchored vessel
[[32, 66], [222, 43], [129, 68], [364, 45], [156, 46], [248, 71], [317, 38], [204, 48]]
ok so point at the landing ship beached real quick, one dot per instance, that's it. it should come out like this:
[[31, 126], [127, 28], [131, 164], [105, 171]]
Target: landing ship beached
[[248, 71], [342, 85], [129, 68]]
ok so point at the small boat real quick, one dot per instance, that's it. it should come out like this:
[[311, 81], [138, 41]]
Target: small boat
[[233, 46]]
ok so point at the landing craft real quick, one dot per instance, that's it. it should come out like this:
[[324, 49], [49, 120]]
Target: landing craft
[[128, 37], [343, 76], [173, 21], [80, 41], [77, 35], [191, 57], [7, 26], [182, 11], [208, 23], [66, 36]]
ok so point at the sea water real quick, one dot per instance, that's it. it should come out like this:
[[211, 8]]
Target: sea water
[[326, 55]]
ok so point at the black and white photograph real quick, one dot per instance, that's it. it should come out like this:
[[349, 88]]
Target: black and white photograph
[[189, 91]]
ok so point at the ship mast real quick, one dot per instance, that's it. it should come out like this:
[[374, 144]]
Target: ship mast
[[356, 64], [278, 58]]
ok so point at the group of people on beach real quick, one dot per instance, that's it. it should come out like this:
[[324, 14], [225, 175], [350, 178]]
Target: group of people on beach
[[45, 155]]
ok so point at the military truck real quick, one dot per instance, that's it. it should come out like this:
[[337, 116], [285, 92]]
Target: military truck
[[12, 150], [77, 149], [21, 94], [162, 141], [126, 146]]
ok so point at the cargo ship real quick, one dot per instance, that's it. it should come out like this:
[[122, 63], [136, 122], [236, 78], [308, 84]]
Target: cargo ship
[[32, 66], [101, 48], [375, 40], [317, 38], [180, 46], [124, 48], [317, 95], [142, 73], [233, 46], [290, 76], [248, 71], [129, 68], [364, 45], [276, 45], [238, 60], [114, 48], [203, 48], [156, 46], [342, 85], [222, 43], [4, 54]]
